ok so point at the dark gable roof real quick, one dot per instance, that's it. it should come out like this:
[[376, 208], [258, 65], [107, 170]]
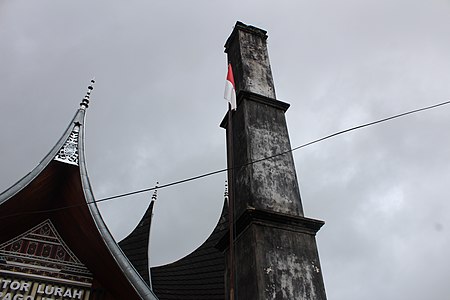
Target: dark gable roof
[[199, 275]]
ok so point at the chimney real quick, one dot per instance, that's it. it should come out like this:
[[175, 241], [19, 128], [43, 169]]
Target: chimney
[[275, 251]]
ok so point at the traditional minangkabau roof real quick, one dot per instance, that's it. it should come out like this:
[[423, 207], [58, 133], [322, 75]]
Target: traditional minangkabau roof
[[197, 276], [55, 202]]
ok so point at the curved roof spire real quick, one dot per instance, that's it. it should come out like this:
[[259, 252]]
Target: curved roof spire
[[136, 245]]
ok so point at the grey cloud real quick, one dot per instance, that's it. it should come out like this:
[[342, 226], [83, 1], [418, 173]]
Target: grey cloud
[[155, 111]]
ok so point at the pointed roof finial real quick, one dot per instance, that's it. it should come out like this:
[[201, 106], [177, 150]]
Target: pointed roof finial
[[155, 193], [225, 194], [85, 102]]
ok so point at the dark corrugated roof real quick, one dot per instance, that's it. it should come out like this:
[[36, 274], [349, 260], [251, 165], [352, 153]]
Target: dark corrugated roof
[[199, 275]]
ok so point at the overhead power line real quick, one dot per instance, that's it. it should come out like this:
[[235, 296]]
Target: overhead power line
[[276, 155], [237, 167]]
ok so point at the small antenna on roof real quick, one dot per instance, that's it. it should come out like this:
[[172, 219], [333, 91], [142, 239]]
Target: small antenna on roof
[[85, 102]]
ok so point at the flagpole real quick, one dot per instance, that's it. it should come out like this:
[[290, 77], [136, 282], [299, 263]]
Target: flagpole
[[230, 165], [230, 95]]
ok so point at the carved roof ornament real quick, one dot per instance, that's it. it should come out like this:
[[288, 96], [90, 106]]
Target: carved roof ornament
[[40, 252], [69, 151]]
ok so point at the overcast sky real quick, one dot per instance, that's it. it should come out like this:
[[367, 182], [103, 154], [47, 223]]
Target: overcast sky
[[160, 69]]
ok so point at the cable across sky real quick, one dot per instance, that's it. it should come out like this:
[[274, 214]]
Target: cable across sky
[[240, 166], [278, 154]]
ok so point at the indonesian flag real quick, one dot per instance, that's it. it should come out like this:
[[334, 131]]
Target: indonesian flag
[[230, 91]]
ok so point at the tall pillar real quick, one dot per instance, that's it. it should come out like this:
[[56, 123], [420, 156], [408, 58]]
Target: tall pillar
[[275, 248]]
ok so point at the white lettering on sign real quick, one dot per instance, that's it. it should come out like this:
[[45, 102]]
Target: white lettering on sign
[[59, 291], [5, 283], [15, 285], [13, 289]]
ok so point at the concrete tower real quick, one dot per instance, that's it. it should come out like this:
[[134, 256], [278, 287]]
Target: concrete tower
[[275, 248]]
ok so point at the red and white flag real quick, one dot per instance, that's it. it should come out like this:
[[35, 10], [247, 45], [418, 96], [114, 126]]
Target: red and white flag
[[230, 88]]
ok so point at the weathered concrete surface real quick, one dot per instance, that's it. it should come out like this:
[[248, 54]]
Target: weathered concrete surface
[[276, 257], [247, 50], [288, 264], [260, 131]]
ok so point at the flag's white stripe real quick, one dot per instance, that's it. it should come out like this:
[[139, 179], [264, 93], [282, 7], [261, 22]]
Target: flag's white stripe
[[230, 94]]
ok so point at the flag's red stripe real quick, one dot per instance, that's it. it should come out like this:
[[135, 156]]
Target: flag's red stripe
[[230, 76]]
